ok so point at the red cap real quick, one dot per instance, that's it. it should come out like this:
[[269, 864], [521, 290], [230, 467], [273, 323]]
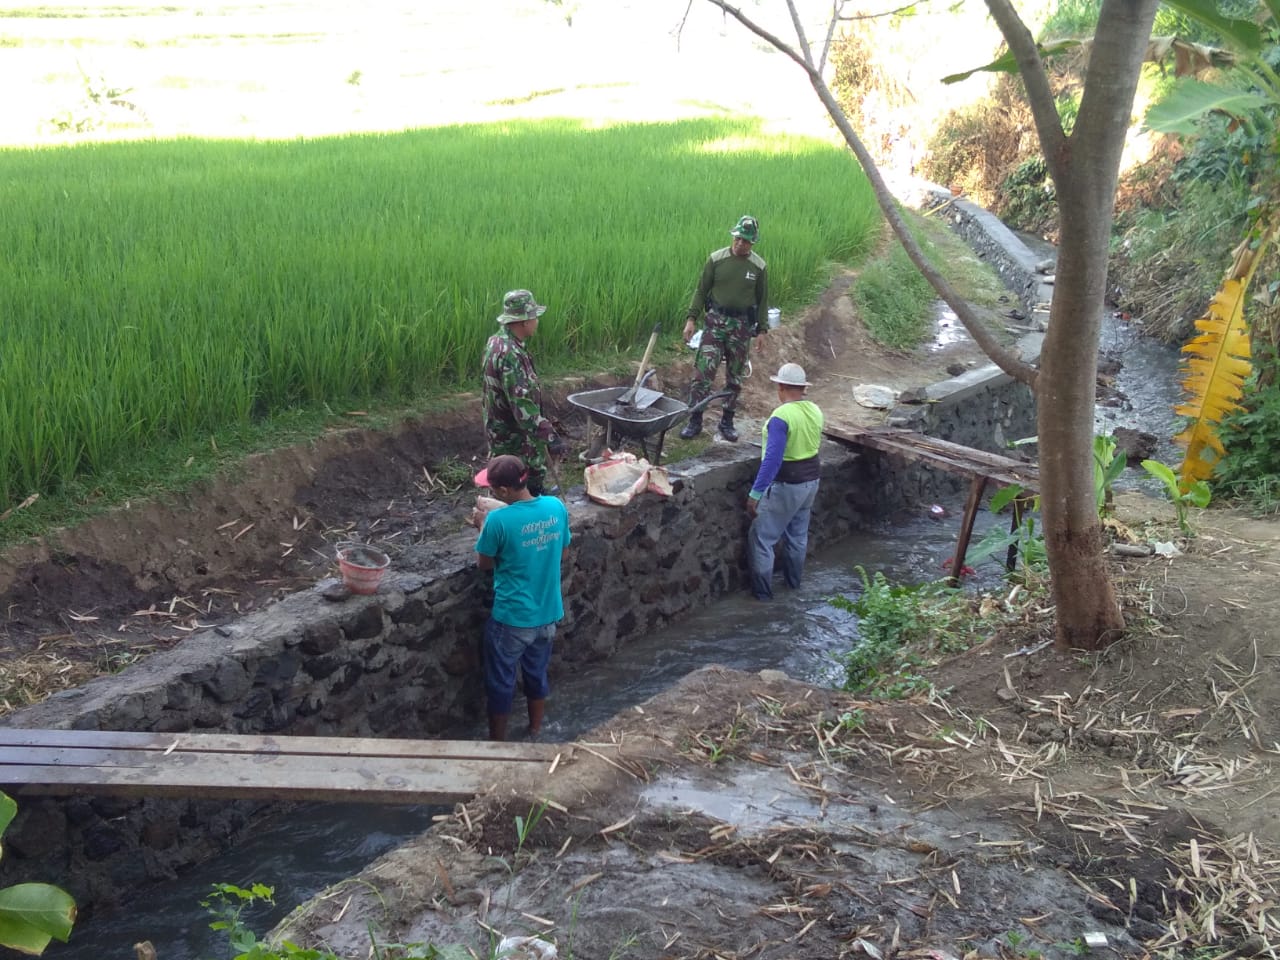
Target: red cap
[[508, 471]]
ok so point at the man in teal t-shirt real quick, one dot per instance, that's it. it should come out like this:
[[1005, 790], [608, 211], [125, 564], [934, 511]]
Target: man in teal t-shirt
[[522, 543]]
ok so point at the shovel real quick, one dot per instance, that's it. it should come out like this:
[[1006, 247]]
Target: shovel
[[632, 397], [645, 397]]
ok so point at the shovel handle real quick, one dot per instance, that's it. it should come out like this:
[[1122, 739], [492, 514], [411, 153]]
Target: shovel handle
[[644, 364]]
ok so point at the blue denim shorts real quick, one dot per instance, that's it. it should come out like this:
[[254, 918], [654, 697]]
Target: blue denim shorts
[[506, 648]]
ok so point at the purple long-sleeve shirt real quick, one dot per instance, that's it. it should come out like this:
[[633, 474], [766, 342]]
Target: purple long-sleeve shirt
[[771, 461]]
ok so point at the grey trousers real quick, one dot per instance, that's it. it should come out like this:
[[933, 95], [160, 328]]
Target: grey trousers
[[782, 514]]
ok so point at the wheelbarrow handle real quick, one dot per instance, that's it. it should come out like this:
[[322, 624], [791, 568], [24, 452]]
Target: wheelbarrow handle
[[703, 403]]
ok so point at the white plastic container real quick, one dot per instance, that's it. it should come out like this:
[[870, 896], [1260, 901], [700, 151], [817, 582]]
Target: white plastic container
[[775, 318]]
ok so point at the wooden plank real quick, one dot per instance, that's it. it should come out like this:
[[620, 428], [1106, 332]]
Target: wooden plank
[[943, 454], [245, 743], [269, 777]]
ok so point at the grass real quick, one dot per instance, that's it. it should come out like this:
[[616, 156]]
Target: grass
[[895, 301], [163, 293], [892, 298]]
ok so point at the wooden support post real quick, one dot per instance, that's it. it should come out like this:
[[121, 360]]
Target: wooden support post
[[1011, 560], [966, 529]]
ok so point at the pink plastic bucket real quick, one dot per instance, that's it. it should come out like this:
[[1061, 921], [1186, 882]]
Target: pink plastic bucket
[[362, 567]]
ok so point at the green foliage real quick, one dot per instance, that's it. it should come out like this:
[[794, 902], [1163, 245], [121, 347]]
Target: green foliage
[[1107, 467], [525, 825], [1073, 19], [891, 617], [32, 914], [893, 299], [166, 291], [1024, 537], [1227, 153], [1251, 436], [228, 902], [418, 951], [1172, 21], [1189, 100], [1172, 257], [1196, 494], [1027, 195]]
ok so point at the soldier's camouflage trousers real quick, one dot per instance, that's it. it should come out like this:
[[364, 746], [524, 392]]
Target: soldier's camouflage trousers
[[724, 339]]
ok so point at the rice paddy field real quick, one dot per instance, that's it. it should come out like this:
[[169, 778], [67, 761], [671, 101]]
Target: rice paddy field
[[160, 290], [222, 216]]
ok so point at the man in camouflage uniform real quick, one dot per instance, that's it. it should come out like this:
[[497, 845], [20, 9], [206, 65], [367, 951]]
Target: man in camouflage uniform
[[734, 293], [513, 419]]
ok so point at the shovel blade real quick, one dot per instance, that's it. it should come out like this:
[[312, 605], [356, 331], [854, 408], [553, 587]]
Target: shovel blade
[[645, 398]]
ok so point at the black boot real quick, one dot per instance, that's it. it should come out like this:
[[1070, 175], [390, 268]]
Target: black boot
[[693, 427], [726, 427]]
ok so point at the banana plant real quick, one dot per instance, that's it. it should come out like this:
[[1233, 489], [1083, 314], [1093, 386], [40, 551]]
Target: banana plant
[[1219, 356], [1108, 464], [32, 914]]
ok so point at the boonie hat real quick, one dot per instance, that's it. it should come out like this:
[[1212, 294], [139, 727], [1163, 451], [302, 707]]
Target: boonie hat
[[791, 375], [518, 306], [747, 228], [503, 471]]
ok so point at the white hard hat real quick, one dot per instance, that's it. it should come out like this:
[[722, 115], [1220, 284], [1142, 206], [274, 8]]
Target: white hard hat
[[791, 375]]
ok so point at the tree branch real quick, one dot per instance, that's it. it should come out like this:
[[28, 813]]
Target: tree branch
[[1044, 108], [1007, 361], [836, 7]]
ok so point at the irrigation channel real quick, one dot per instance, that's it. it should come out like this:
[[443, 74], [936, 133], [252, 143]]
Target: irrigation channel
[[800, 633], [318, 844]]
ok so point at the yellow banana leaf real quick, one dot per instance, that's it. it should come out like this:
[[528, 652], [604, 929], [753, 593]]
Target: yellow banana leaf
[[1217, 363]]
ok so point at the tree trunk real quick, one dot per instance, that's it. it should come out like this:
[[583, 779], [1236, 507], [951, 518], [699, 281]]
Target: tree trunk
[[1085, 170]]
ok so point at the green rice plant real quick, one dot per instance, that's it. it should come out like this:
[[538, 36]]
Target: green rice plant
[[162, 292]]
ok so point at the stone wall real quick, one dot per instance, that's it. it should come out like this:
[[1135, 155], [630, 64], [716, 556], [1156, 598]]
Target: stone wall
[[1016, 264]]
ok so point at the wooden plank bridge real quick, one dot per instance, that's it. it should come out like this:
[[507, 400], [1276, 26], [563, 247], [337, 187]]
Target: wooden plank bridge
[[980, 467], [210, 765]]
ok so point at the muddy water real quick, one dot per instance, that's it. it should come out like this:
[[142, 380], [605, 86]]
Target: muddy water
[[319, 844], [1148, 382]]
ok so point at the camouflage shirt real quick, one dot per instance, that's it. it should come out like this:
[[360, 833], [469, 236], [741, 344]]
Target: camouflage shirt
[[735, 284], [512, 395]]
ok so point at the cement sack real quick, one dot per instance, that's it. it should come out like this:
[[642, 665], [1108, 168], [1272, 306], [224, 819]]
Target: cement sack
[[616, 481], [526, 948], [484, 506]]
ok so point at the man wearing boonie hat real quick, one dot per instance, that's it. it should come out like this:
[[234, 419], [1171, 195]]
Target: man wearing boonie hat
[[734, 293], [781, 499], [523, 544], [513, 419]]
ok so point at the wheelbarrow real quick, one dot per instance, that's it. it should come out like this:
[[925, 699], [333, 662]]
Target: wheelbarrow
[[626, 422]]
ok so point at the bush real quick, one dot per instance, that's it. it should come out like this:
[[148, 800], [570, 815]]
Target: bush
[[1252, 440], [975, 148], [890, 617], [1028, 199]]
